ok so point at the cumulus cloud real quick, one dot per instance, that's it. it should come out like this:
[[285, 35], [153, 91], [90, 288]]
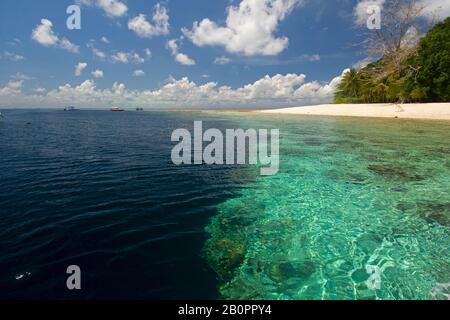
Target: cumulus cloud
[[249, 29], [222, 60], [98, 54], [146, 29], [44, 35], [181, 58], [138, 73], [15, 84], [270, 91], [112, 8], [79, 68], [97, 73], [120, 57], [105, 40], [184, 59], [127, 57], [12, 89], [69, 46]]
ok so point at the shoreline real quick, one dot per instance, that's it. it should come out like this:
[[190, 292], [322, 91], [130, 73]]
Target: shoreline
[[424, 111]]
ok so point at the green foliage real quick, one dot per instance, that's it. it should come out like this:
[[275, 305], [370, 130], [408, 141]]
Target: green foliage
[[433, 58], [426, 77], [349, 88]]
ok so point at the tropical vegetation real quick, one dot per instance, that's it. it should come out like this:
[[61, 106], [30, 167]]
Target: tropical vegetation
[[424, 75]]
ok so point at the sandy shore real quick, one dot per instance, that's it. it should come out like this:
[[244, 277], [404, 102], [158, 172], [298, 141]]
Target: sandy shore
[[435, 111]]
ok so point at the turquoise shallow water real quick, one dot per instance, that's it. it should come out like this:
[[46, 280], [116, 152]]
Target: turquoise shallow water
[[359, 210]]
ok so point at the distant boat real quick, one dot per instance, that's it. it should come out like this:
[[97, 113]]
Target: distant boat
[[116, 109], [70, 108], [139, 109]]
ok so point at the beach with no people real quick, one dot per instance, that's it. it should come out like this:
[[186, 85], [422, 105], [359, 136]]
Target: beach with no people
[[425, 111]]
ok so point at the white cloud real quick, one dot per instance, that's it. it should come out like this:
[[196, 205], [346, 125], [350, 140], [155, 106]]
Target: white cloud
[[138, 73], [270, 91], [97, 73], [120, 56], [145, 29], [79, 68], [105, 40], [250, 28], [148, 53], [12, 89], [15, 84], [69, 46], [21, 76], [173, 46], [112, 8], [127, 57], [435, 9], [311, 57], [184, 59], [13, 56], [181, 58], [44, 35], [136, 58], [98, 54], [222, 60], [362, 63]]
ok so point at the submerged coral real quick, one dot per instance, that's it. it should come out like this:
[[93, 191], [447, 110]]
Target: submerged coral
[[331, 221]]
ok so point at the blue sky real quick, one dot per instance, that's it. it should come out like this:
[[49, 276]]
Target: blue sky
[[313, 40]]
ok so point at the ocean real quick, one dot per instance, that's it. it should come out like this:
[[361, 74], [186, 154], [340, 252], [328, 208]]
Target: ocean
[[360, 209]]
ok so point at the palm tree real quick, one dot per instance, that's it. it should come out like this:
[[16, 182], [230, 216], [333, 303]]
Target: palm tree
[[349, 86], [379, 92]]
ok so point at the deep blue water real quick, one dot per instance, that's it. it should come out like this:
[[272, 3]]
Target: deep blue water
[[99, 190]]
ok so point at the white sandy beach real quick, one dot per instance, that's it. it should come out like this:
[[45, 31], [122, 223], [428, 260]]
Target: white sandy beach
[[434, 111]]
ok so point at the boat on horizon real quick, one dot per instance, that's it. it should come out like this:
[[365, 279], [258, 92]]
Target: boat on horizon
[[116, 109], [70, 108]]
